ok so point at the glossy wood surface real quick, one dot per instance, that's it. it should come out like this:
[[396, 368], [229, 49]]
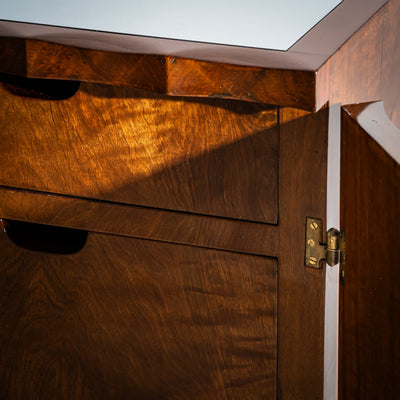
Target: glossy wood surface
[[142, 222], [366, 68], [163, 74], [300, 349], [203, 156], [133, 319], [213, 157], [370, 296], [302, 193], [308, 53]]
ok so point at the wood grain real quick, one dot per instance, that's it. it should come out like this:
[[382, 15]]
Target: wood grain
[[135, 319], [366, 68], [163, 74], [213, 157], [142, 222], [302, 193], [370, 296], [363, 69]]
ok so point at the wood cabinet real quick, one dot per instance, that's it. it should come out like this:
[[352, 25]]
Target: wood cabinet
[[222, 202], [154, 212]]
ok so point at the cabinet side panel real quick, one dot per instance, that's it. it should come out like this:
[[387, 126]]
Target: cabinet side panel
[[366, 67], [370, 297]]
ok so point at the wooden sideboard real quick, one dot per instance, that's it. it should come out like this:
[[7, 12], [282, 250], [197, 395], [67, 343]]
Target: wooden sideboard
[[154, 213]]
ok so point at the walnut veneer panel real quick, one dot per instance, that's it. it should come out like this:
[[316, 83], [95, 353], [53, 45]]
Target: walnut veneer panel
[[141, 222], [212, 157], [136, 319], [302, 193]]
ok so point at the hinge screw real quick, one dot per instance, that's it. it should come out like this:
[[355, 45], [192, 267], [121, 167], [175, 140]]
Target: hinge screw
[[312, 260], [314, 226], [311, 242]]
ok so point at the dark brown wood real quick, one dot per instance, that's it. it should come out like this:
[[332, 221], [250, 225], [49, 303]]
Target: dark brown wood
[[81, 326], [366, 68], [302, 193], [163, 74], [370, 296], [142, 222], [204, 156], [134, 319], [300, 351]]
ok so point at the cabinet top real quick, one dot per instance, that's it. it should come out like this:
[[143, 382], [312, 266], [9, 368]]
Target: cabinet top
[[348, 57], [287, 34]]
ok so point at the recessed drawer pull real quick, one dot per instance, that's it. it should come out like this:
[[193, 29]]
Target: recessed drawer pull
[[45, 238], [44, 89]]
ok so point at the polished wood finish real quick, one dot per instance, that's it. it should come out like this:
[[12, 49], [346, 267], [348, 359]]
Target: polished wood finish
[[307, 54], [370, 296], [300, 350], [210, 156], [363, 69], [163, 74], [302, 193], [142, 222], [127, 318], [366, 68], [207, 173]]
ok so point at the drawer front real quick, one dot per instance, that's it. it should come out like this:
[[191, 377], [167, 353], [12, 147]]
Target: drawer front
[[204, 156], [127, 318]]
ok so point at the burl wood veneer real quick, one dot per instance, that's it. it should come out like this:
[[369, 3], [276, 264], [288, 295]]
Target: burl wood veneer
[[164, 74]]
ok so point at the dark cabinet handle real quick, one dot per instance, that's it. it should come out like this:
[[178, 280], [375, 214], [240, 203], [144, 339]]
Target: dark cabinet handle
[[44, 238], [44, 89]]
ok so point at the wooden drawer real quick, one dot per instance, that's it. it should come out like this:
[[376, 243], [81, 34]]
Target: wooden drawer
[[126, 318], [203, 156]]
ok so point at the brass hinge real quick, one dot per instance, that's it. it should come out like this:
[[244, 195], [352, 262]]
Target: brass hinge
[[316, 252]]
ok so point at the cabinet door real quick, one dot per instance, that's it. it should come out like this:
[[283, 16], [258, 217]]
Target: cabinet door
[[126, 318], [370, 291]]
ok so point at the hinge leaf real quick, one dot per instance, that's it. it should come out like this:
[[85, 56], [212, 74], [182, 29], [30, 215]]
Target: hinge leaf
[[316, 253]]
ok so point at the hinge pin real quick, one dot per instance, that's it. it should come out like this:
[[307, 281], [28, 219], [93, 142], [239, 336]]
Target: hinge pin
[[316, 252], [332, 247]]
